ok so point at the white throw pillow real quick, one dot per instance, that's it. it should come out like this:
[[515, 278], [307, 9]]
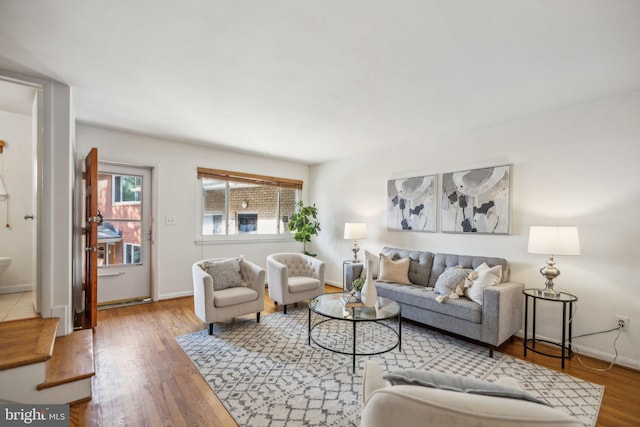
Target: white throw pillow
[[486, 276], [394, 271]]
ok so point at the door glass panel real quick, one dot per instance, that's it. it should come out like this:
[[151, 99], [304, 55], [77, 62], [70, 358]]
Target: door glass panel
[[120, 234]]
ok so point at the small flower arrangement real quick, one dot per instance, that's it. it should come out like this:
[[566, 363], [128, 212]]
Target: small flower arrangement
[[357, 284]]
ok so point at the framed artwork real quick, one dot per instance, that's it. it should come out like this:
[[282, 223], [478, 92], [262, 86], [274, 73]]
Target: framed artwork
[[476, 201], [411, 203]]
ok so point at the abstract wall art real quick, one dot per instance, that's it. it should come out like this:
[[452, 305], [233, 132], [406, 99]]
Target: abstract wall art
[[476, 201], [411, 203]]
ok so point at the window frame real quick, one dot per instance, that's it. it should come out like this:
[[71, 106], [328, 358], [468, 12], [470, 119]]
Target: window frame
[[133, 246], [113, 190], [260, 180]]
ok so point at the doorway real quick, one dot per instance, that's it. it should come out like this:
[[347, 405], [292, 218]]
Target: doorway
[[20, 173], [124, 234]]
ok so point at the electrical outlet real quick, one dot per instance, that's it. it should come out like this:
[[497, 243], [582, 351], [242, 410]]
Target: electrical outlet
[[170, 220], [623, 322]]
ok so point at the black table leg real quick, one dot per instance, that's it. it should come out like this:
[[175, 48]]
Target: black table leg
[[354, 347], [309, 326], [526, 322]]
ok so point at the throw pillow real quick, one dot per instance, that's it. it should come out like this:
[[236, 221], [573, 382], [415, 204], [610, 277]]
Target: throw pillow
[[458, 383], [487, 276], [394, 271], [450, 279], [225, 273]]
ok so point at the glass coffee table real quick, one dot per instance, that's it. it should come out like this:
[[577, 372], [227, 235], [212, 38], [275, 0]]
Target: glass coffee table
[[336, 327]]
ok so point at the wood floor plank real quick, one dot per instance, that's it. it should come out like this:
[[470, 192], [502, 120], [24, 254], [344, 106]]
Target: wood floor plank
[[143, 378]]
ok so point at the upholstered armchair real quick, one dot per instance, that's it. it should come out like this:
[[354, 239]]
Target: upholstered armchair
[[413, 405], [294, 277], [224, 288]]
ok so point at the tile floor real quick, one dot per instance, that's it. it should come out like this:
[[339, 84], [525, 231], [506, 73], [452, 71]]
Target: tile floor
[[16, 306]]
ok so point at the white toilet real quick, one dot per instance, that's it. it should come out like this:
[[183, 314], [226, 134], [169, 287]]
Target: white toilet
[[5, 261]]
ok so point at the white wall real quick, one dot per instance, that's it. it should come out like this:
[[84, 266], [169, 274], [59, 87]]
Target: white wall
[[572, 166], [15, 168], [176, 193]]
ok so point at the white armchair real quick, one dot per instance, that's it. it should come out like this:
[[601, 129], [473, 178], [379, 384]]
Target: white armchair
[[416, 406], [224, 304], [294, 277]]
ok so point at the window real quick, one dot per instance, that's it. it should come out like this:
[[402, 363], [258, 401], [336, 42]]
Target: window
[[235, 203], [132, 253], [126, 188]]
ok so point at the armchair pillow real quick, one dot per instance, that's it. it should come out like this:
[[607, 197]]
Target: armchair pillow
[[225, 273]]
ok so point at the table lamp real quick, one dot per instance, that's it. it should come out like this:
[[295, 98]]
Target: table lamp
[[553, 241], [355, 231]]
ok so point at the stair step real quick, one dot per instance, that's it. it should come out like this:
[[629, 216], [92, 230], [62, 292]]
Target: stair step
[[26, 341], [72, 359]]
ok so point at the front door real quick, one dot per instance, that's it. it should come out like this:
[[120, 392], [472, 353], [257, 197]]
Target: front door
[[124, 237], [90, 316]]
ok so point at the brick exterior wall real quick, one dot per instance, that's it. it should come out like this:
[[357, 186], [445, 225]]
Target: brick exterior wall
[[131, 232], [260, 200]]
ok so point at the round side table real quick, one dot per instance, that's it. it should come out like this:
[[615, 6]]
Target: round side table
[[565, 298]]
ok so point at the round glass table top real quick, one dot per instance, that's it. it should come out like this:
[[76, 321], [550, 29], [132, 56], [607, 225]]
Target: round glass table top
[[559, 296], [330, 305]]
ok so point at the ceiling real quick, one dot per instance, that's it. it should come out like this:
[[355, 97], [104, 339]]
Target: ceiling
[[318, 81]]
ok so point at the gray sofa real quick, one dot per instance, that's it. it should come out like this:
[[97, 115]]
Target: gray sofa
[[492, 323]]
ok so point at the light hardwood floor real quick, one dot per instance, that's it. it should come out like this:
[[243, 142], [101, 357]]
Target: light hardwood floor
[[143, 378]]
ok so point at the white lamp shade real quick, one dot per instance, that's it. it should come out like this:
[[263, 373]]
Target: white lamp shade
[[554, 240], [355, 230]]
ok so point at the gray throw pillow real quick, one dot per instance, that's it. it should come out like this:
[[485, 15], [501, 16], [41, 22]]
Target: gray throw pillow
[[449, 280], [457, 383], [225, 273]]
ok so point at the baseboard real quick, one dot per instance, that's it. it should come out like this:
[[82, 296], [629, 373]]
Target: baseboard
[[175, 295], [591, 352], [334, 283], [12, 289]]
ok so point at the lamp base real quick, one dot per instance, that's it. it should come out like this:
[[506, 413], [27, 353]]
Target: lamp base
[[550, 272], [355, 249]]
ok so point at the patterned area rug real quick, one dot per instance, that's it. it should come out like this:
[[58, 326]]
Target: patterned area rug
[[268, 375]]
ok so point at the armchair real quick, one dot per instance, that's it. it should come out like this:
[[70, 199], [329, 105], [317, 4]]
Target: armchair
[[224, 304], [294, 277], [414, 405]]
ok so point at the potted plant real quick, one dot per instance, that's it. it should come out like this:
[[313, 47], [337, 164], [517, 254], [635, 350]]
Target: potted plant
[[357, 285], [305, 223]]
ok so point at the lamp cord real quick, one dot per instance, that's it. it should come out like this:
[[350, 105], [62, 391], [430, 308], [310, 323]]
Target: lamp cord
[[615, 340]]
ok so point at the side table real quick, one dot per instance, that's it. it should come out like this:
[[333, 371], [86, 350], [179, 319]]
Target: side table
[[566, 352], [350, 271]]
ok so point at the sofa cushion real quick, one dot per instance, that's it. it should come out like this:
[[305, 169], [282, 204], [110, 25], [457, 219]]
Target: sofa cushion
[[458, 383], [425, 298], [396, 271], [234, 296], [419, 265], [442, 261], [303, 284]]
